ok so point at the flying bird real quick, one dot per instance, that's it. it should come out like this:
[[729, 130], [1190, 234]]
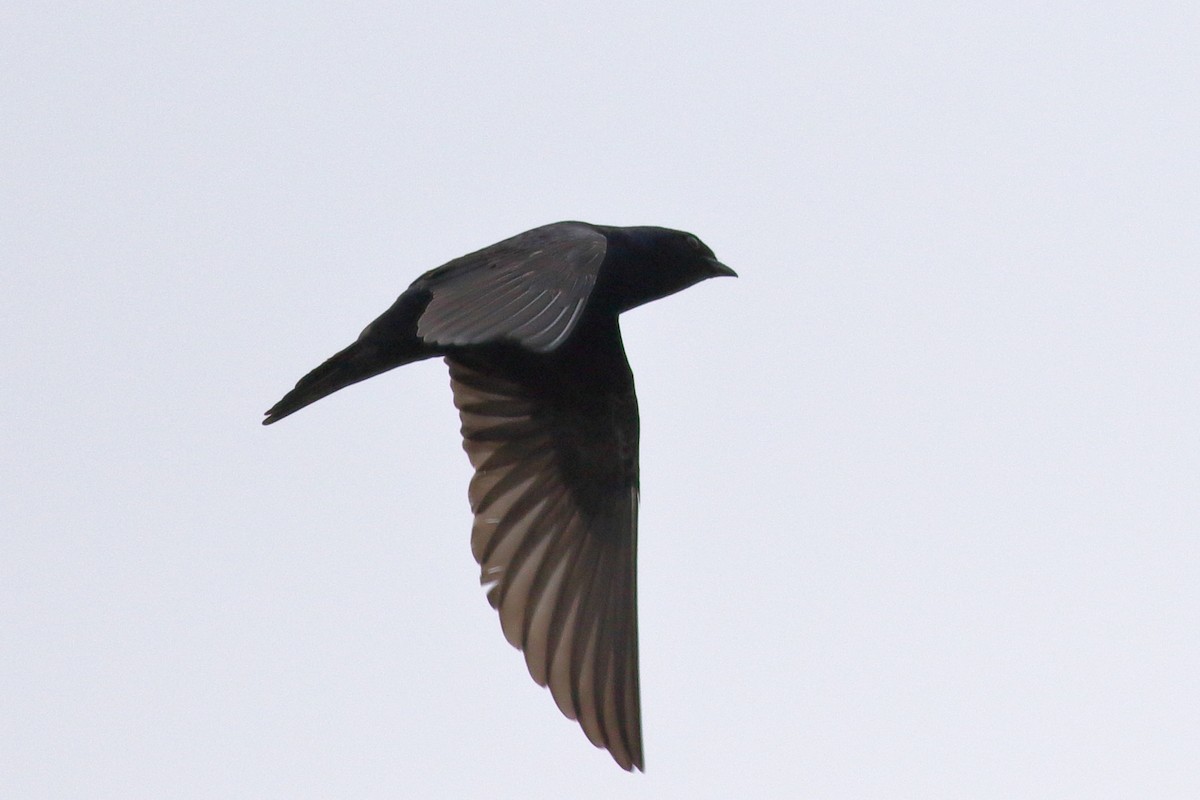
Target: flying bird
[[529, 328]]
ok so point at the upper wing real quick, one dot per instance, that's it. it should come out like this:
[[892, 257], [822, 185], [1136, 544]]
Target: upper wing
[[555, 503], [529, 289]]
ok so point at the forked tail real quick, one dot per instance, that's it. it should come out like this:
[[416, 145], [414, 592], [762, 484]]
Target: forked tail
[[387, 343]]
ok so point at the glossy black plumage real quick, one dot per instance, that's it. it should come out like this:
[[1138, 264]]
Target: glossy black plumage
[[529, 329]]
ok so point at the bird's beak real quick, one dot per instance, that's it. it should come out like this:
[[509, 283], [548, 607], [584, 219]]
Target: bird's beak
[[717, 269]]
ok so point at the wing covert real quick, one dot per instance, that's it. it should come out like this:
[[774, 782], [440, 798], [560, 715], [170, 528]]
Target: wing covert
[[530, 289]]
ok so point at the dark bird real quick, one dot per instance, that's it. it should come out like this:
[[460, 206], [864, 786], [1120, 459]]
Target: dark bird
[[529, 329]]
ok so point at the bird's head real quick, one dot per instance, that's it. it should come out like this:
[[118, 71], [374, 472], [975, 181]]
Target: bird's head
[[646, 263]]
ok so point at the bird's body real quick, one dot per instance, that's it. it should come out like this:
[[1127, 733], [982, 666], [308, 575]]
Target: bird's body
[[529, 329]]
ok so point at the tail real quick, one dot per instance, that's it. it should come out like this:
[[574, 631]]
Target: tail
[[388, 342]]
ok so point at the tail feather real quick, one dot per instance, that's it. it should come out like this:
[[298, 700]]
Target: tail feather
[[387, 343]]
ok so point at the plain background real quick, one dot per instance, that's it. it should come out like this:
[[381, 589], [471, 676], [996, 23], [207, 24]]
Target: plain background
[[920, 490]]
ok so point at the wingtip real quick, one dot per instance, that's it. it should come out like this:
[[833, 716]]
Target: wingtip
[[631, 764]]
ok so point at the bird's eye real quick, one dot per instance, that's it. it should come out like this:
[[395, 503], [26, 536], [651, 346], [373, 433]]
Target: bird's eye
[[694, 242]]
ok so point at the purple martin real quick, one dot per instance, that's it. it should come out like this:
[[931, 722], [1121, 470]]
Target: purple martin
[[529, 329]]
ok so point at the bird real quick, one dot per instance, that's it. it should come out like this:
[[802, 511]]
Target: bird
[[529, 329]]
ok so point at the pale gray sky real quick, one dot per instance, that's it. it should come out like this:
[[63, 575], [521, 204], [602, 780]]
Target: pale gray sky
[[920, 490]]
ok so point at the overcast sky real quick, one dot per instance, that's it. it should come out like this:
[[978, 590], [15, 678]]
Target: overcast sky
[[921, 489]]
